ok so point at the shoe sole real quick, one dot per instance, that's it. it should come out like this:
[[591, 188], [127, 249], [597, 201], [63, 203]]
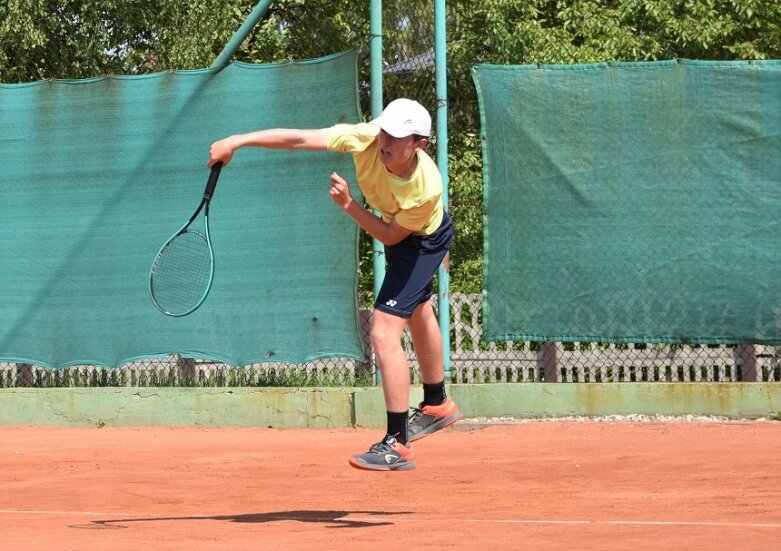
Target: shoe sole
[[406, 466], [437, 426]]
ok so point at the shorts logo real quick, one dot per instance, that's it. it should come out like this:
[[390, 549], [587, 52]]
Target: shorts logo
[[391, 303]]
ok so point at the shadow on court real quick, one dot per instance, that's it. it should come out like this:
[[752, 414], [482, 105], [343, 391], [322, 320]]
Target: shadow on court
[[332, 519]]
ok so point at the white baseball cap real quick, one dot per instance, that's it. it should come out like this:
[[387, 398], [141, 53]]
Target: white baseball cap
[[404, 117]]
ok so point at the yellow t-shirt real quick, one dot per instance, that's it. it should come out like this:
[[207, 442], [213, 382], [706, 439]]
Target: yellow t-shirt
[[415, 202]]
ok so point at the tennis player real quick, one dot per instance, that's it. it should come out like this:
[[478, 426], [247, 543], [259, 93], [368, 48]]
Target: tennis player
[[401, 182]]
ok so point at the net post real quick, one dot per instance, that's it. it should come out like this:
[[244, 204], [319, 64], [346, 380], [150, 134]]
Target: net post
[[750, 371], [549, 358], [440, 61], [234, 43], [378, 251]]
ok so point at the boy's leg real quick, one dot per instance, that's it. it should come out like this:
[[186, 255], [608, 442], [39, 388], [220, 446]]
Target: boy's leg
[[437, 410], [392, 452], [427, 339], [386, 334]]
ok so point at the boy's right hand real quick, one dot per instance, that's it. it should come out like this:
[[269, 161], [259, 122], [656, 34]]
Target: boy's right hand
[[221, 150]]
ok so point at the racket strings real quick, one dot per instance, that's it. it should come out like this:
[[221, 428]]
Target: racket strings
[[182, 273]]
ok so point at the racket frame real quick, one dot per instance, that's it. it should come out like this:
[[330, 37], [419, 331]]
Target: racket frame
[[208, 192]]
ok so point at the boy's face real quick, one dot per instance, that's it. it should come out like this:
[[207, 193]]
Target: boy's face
[[399, 152]]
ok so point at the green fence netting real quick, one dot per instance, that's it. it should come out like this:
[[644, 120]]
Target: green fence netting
[[98, 173], [633, 202]]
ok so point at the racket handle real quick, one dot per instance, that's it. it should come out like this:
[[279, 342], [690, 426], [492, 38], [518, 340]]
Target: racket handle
[[212, 183]]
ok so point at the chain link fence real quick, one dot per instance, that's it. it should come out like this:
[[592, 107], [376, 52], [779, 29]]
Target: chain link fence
[[473, 361]]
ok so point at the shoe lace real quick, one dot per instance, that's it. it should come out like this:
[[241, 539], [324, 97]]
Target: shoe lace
[[381, 447], [416, 413]]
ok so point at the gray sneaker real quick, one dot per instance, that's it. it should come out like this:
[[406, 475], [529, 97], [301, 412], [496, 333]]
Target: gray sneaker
[[387, 455], [427, 420]]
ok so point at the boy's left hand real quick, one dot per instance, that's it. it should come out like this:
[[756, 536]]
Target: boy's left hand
[[340, 191]]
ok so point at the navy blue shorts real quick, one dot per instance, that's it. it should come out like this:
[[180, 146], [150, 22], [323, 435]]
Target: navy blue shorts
[[411, 266]]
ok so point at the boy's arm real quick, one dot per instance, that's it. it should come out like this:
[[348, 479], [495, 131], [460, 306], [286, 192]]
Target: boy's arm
[[275, 138], [387, 234]]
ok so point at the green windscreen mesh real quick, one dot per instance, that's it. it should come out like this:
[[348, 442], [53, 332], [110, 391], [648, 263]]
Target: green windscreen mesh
[[632, 202], [98, 174]]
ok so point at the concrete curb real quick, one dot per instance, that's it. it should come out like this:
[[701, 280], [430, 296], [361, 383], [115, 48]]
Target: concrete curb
[[364, 407]]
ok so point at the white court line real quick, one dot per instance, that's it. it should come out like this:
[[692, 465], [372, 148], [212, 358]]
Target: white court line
[[389, 517], [637, 523], [75, 513]]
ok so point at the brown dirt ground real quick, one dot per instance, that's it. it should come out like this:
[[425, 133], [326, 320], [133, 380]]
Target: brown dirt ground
[[531, 485]]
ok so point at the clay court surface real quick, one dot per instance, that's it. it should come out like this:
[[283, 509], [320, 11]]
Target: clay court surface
[[533, 485]]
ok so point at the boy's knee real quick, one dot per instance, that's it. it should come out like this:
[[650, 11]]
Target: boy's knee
[[380, 337]]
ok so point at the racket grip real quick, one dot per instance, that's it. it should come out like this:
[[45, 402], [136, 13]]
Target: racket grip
[[212, 182]]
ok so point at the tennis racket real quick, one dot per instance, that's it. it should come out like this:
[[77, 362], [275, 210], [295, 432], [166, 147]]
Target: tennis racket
[[183, 270]]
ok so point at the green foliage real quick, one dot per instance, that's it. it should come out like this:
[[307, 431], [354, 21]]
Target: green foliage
[[42, 39], [466, 206]]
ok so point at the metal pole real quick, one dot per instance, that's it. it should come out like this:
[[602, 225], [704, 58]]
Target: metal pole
[[238, 37], [440, 56], [375, 82]]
